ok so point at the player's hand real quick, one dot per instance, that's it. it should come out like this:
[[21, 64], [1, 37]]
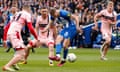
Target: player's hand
[[95, 27], [38, 40], [37, 43], [78, 29], [113, 23]]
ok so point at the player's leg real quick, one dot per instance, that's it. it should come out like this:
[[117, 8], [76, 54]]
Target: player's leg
[[104, 48], [58, 46], [19, 54], [51, 52], [66, 44], [33, 50], [9, 46], [31, 45], [69, 34], [27, 51]]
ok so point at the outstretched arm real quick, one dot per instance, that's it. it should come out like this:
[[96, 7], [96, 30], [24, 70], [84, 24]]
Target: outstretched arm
[[76, 20], [5, 34], [5, 31]]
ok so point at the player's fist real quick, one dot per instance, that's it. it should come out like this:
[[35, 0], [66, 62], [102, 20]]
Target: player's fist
[[95, 27]]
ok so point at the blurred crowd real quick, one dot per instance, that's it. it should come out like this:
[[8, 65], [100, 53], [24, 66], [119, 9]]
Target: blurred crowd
[[84, 9]]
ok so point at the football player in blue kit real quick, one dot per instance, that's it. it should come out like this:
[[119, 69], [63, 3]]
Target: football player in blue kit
[[71, 26]]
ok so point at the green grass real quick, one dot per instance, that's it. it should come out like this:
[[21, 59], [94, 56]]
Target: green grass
[[88, 60]]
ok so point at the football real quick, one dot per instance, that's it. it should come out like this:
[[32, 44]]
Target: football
[[71, 57]]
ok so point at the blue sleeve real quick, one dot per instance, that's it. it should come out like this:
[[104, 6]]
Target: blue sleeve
[[52, 18], [65, 14]]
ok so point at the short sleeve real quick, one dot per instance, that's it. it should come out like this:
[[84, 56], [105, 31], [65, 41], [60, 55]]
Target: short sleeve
[[65, 14], [52, 18], [102, 12], [68, 14]]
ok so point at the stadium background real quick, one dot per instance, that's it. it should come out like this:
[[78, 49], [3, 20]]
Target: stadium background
[[85, 9], [87, 59]]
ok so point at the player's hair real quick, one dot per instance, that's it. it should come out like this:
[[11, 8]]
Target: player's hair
[[110, 3], [44, 7], [13, 8], [52, 11], [25, 6]]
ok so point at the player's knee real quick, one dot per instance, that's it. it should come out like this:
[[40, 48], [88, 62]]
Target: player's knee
[[108, 41], [50, 43], [20, 55], [58, 39], [31, 44], [65, 43]]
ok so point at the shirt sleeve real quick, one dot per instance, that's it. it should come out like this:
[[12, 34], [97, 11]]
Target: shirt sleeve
[[5, 31], [65, 14], [102, 12], [52, 18]]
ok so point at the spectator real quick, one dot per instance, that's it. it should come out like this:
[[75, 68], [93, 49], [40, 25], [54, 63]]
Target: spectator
[[117, 8], [1, 26], [85, 9]]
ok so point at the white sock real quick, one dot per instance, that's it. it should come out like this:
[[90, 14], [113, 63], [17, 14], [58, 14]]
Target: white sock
[[50, 61], [58, 55]]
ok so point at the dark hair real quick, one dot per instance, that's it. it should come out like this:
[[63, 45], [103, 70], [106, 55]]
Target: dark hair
[[44, 7], [52, 11]]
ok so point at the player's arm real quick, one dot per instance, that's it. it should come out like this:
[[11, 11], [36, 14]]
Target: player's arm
[[76, 20], [96, 17], [5, 34], [5, 31], [29, 24]]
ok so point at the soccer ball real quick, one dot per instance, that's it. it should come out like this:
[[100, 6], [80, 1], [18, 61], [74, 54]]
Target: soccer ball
[[71, 57]]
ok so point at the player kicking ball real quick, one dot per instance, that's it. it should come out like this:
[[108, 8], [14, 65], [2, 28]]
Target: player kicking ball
[[67, 33]]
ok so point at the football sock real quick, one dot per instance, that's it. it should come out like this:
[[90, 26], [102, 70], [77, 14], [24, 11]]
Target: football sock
[[58, 55], [9, 46], [33, 51], [65, 53], [58, 48], [50, 61]]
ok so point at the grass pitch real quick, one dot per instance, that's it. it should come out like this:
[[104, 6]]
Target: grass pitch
[[88, 60]]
